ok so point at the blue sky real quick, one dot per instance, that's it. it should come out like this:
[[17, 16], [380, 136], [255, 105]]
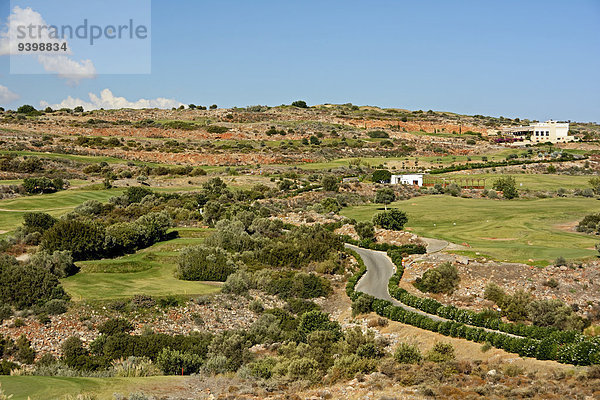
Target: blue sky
[[528, 59]]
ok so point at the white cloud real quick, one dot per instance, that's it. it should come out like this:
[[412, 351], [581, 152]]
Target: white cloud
[[61, 64], [107, 101], [6, 96]]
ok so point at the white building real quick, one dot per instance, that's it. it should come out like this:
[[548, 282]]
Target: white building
[[541, 132], [410, 179]]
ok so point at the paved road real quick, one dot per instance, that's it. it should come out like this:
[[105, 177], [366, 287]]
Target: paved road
[[435, 245], [374, 282]]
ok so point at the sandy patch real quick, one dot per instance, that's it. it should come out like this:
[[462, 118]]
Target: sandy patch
[[567, 227]]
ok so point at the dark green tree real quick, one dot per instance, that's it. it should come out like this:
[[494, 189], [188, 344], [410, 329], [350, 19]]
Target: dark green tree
[[508, 186], [300, 104], [381, 176], [26, 109], [84, 239], [391, 219], [330, 183]]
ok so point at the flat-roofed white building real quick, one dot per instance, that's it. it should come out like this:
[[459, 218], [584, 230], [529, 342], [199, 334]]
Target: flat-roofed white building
[[541, 132], [409, 179]]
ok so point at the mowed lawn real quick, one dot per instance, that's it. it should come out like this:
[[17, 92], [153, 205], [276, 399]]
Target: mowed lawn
[[514, 230], [54, 388], [11, 210], [525, 181], [150, 271]]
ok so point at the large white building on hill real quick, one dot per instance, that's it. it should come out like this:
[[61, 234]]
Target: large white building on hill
[[541, 132]]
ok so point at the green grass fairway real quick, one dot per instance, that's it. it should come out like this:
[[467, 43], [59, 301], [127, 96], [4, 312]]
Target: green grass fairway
[[150, 271], [11, 211], [515, 230], [54, 388], [526, 181]]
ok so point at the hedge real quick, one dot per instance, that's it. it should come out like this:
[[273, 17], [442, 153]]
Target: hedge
[[481, 319], [564, 347], [369, 244]]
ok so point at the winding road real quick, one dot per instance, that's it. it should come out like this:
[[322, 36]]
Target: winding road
[[380, 269], [375, 281]]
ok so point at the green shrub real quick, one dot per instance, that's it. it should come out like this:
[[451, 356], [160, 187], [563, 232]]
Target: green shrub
[[41, 185], [318, 321], [5, 313], [216, 365], [515, 306], [56, 307], [494, 293], [59, 263], [201, 263], [26, 285], [365, 230], [347, 366], [589, 224], [38, 221], [259, 369], [5, 368], [407, 354], [115, 326], [330, 204], [237, 283], [256, 306], [300, 306], [234, 346], [441, 352], [25, 352], [378, 134], [216, 129], [292, 284], [83, 239], [330, 183], [135, 194], [442, 279], [553, 313], [508, 186], [303, 369], [174, 362], [362, 305]]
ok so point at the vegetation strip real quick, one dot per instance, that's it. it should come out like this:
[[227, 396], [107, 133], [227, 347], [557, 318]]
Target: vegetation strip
[[492, 164], [565, 347]]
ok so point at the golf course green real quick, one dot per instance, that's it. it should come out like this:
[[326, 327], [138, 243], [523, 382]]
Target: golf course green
[[513, 230]]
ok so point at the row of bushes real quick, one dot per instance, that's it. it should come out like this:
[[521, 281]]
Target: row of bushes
[[390, 248], [491, 164], [483, 319], [579, 351]]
